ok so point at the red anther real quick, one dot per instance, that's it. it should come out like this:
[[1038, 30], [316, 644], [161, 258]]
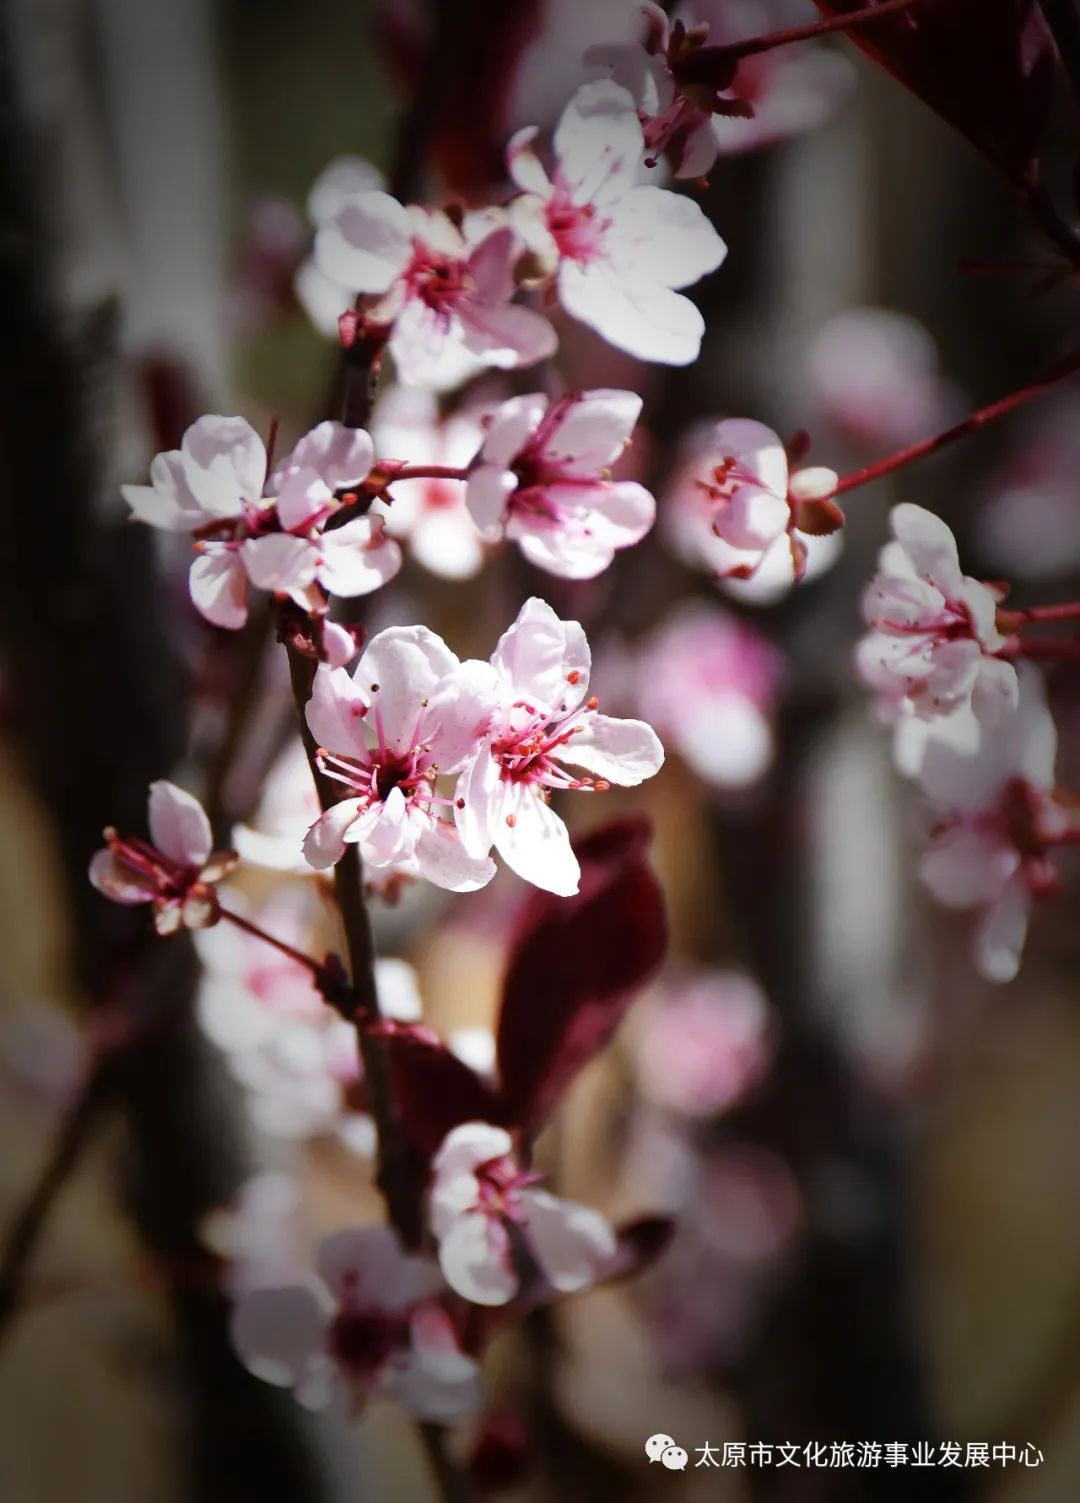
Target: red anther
[[511, 820], [573, 677], [459, 803], [601, 785], [593, 703]]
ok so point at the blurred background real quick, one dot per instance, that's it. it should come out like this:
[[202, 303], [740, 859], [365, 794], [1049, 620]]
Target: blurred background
[[870, 1153]]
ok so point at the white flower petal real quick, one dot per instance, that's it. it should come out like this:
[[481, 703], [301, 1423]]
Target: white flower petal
[[573, 1244], [340, 456], [279, 562], [218, 584], [536, 844], [593, 430], [324, 843], [544, 660], [649, 322], [662, 238], [599, 143], [179, 827], [357, 558], [276, 1333], [477, 1262], [366, 244], [621, 751]]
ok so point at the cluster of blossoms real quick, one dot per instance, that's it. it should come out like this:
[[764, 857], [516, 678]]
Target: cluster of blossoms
[[438, 764], [972, 726], [439, 287], [251, 527], [508, 731]]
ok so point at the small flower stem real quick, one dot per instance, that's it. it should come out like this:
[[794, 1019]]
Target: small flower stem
[[424, 472], [317, 970], [1044, 648], [974, 421], [1068, 611], [396, 1172], [751, 46]]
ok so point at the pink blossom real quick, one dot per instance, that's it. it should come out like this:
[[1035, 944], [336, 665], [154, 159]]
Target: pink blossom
[[998, 817], [478, 1192], [213, 487], [296, 1058], [444, 292], [734, 509], [703, 1043], [323, 299], [258, 1235], [709, 685], [409, 712], [544, 480], [369, 1328], [540, 719], [875, 374], [933, 639], [430, 515], [287, 806], [618, 251], [175, 870]]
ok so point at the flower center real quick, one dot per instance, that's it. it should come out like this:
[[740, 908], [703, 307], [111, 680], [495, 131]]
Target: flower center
[[532, 745], [575, 228], [361, 1340], [439, 281], [499, 1184]]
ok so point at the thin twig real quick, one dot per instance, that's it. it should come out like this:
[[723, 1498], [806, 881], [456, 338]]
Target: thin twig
[[752, 46], [73, 1137], [974, 421]]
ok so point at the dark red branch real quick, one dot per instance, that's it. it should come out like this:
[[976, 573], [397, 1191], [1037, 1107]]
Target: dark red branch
[[974, 421]]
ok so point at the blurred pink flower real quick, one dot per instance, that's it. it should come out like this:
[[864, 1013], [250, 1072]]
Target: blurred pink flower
[[296, 1057], [538, 720], [933, 629], [258, 1234], [703, 1043], [709, 684], [544, 480], [617, 250], [875, 375], [430, 515], [367, 1329], [997, 817], [287, 808], [733, 509], [477, 1192]]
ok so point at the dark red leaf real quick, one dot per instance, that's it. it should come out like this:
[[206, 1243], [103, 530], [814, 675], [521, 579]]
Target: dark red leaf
[[575, 965], [985, 66], [434, 1090]]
